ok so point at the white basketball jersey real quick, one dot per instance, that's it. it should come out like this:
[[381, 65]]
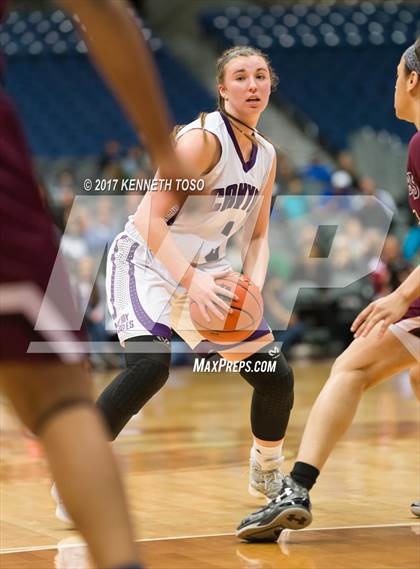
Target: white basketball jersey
[[202, 227]]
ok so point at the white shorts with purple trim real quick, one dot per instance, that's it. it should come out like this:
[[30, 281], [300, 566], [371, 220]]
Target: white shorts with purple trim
[[143, 299]]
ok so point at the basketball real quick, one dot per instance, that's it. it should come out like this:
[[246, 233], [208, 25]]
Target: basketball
[[246, 315]]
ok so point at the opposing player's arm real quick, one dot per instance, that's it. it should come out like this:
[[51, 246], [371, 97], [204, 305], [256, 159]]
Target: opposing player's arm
[[255, 249], [120, 53], [389, 308]]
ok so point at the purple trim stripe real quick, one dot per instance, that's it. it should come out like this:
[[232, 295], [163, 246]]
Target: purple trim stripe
[[206, 346], [114, 268], [253, 158], [154, 328]]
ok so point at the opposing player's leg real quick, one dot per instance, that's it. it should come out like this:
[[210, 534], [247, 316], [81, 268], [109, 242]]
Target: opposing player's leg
[[366, 362], [415, 380], [415, 384], [55, 401]]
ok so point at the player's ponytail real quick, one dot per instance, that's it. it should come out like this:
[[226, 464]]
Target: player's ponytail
[[412, 58]]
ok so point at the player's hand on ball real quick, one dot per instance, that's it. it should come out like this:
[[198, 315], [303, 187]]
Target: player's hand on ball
[[204, 291], [386, 310]]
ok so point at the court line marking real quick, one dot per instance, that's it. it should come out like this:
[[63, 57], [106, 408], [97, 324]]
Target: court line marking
[[171, 538]]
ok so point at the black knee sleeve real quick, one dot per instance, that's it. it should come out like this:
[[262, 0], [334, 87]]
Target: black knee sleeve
[[272, 379], [144, 376]]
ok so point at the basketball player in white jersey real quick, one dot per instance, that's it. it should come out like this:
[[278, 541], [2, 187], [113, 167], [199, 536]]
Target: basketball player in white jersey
[[173, 248]]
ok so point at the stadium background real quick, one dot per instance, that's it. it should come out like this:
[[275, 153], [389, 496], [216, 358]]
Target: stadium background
[[331, 118]]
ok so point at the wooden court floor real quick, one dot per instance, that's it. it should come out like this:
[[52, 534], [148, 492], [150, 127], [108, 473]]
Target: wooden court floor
[[184, 461]]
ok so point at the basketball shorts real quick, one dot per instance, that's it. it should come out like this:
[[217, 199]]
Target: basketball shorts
[[144, 299], [28, 251], [407, 329]]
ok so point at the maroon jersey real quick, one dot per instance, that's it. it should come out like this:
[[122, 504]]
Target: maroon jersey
[[413, 175], [28, 248], [2, 10], [413, 184]]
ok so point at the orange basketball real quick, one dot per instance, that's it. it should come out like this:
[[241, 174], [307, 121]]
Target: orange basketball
[[242, 322]]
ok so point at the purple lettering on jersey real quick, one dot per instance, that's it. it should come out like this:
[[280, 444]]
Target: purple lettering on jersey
[[233, 196], [252, 191], [230, 196], [242, 190]]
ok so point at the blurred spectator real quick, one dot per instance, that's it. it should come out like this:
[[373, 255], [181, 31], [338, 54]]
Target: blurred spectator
[[345, 163], [106, 224], [392, 268], [92, 295], [307, 270], [411, 245], [287, 328], [317, 176], [375, 214], [341, 186], [285, 171], [73, 243], [62, 193], [134, 162], [368, 188], [109, 162], [295, 203]]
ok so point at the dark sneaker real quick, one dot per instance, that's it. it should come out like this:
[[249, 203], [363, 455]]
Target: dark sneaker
[[291, 509]]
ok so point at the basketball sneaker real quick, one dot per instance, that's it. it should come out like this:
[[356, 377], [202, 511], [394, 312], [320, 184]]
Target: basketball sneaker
[[265, 483], [415, 508], [291, 509], [60, 510]]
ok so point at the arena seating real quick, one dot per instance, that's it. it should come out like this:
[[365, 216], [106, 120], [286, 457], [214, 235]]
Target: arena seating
[[336, 60], [66, 108]]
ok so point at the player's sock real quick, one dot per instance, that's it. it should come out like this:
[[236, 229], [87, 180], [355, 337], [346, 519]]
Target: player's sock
[[304, 474], [268, 458]]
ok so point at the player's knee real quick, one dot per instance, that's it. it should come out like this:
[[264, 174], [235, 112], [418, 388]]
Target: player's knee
[[350, 374], [44, 419], [270, 375], [144, 376]]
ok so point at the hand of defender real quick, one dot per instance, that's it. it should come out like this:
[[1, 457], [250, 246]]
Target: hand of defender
[[386, 310], [204, 291]]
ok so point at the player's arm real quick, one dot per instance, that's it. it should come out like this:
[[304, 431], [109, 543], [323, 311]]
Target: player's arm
[[150, 219], [121, 54], [255, 249], [388, 309], [199, 152]]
